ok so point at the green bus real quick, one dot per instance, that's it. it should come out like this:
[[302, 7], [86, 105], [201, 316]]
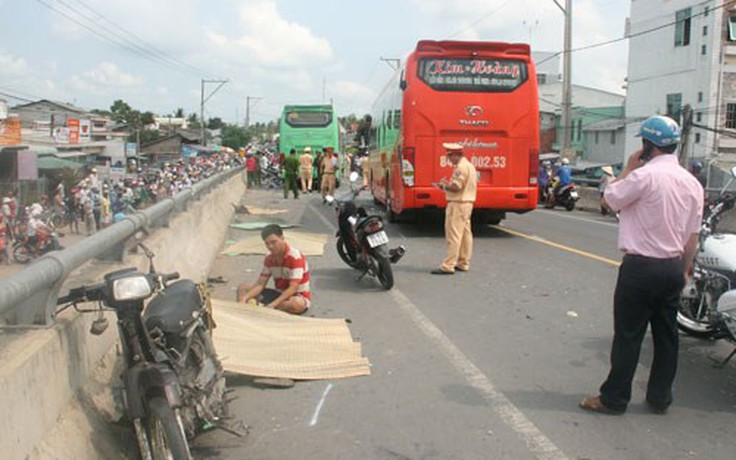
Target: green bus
[[314, 126]]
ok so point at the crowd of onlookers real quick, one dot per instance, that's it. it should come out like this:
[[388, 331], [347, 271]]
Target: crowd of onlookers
[[96, 201]]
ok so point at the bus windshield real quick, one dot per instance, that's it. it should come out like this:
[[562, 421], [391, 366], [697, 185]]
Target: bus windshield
[[472, 75], [308, 119]]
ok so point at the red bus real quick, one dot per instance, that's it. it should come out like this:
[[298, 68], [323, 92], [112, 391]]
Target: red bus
[[482, 95]]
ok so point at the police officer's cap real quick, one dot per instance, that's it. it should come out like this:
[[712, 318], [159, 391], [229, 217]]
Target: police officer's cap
[[453, 147]]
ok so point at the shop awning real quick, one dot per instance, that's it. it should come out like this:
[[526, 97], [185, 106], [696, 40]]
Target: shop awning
[[51, 162]]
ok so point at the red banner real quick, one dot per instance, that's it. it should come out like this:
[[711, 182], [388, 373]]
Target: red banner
[[73, 125]]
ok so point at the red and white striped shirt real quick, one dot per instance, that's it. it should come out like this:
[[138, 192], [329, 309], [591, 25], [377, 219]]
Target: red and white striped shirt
[[294, 266]]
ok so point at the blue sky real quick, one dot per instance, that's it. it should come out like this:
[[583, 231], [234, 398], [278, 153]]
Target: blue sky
[[283, 51]]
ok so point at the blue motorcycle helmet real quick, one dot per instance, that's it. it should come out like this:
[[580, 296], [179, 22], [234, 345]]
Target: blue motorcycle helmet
[[660, 130]]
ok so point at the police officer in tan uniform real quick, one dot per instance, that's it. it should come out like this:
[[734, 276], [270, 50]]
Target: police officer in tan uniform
[[460, 192], [328, 169], [305, 170]]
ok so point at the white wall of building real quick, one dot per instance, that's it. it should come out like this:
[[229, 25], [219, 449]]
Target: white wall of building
[[657, 67]]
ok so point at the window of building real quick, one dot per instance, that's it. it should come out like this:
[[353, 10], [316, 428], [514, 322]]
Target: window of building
[[699, 117], [596, 137], [580, 129], [705, 31], [700, 96], [541, 78], [697, 138], [674, 106], [706, 10], [732, 28], [731, 115], [682, 27], [702, 50], [613, 137]]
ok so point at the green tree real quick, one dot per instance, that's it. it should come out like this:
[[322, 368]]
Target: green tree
[[234, 136], [179, 113], [215, 123]]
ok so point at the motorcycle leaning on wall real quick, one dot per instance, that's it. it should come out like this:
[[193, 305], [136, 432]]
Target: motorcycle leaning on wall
[[362, 242], [174, 383], [708, 301]]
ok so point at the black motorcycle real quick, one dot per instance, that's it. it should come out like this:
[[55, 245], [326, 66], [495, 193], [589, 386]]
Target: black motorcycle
[[566, 196], [362, 242], [24, 250], [174, 382]]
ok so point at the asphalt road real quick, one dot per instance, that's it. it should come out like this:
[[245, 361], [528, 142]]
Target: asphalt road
[[488, 364]]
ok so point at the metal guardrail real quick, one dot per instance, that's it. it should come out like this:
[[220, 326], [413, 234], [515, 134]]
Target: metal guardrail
[[29, 296]]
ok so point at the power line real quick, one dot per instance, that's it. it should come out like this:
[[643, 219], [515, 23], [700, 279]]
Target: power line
[[116, 38]]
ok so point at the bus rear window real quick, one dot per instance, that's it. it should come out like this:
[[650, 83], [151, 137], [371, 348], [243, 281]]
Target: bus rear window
[[472, 75], [308, 119]]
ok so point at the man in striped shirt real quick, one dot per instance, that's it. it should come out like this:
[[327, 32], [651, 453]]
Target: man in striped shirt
[[289, 269]]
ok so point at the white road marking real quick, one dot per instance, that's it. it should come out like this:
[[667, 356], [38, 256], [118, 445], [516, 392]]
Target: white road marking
[[535, 440], [321, 402]]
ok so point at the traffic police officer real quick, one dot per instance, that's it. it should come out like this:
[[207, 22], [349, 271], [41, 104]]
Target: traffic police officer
[[460, 192]]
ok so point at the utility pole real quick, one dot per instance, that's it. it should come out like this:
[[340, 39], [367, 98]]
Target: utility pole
[[247, 108], [203, 100], [567, 80]]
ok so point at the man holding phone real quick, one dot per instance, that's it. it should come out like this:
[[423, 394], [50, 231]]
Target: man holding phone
[[660, 206]]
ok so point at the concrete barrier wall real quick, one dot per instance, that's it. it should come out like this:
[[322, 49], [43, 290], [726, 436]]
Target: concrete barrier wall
[[44, 370]]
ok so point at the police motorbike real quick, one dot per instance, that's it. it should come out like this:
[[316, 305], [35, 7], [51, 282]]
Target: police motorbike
[[566, 196], [174, 383], [708, 301], [362, 242]]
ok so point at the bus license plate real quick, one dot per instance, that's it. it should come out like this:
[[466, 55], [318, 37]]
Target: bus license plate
[[377, 239]]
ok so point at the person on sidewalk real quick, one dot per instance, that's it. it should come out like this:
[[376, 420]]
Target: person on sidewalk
[[290, 271], [305, 170], [460, 192], [328, 167], [661, 207], [291, 174], [4, 240]]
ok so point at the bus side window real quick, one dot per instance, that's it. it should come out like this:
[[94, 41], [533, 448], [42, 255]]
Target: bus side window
[[397, 119]]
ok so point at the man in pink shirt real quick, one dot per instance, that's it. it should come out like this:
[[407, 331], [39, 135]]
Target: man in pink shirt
[[661, 207]]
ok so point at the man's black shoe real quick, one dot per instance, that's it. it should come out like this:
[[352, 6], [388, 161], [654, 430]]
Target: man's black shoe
[[439, 271], [656, 408]]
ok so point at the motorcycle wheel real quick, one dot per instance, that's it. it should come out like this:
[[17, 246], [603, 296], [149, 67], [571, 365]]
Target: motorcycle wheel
[[342, 251], [57, 220], [570, 205], [385, 273], [165, 431], [691, 323], [21, 253]]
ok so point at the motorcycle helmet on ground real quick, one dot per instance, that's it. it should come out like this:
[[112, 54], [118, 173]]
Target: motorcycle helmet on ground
[[660, 130]]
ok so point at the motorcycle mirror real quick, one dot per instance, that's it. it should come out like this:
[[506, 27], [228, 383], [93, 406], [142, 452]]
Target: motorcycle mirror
[[330, 199], [99, 326], [354, 176], [733, 171]]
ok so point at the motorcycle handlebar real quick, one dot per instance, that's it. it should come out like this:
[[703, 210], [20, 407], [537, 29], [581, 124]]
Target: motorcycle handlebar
[[170, 276], [82, 293]]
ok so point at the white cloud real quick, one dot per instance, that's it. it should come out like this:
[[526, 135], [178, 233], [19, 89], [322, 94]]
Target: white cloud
[[106, 77], [272, 41], [12, 66]]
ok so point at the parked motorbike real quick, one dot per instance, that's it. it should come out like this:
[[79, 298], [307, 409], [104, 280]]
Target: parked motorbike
[[708, 301], [566, 196], [24, 252], [362, 242], [174, 384]]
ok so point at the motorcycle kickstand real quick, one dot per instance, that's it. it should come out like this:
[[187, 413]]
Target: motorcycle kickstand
[[362, 275], [720, 364]]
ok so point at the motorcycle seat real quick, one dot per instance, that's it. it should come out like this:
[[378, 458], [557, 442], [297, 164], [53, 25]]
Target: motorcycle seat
[[171, 310]]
